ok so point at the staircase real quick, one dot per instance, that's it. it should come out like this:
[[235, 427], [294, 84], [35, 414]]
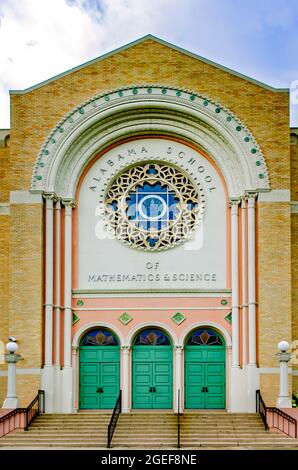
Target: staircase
[[63, 431], [149, 430]]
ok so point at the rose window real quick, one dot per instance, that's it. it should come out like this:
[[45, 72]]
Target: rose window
[[152, 206]]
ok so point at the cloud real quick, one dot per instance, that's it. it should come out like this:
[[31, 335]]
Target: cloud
[[40, 39]]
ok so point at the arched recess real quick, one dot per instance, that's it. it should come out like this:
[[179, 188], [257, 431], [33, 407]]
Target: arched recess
[[152, 369], [99, 369], [205, 366], [136, 111]]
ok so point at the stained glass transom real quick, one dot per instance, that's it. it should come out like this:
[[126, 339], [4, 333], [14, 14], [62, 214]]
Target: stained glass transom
[[152, 338], [99, 338], [204, 337], [153, 206]]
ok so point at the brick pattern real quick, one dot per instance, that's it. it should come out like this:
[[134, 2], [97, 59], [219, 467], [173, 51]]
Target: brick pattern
[[26, 281], [274, 273]]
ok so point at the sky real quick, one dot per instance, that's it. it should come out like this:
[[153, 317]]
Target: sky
[[42, 38]]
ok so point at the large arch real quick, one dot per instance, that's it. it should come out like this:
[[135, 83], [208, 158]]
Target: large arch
[[136, 111]]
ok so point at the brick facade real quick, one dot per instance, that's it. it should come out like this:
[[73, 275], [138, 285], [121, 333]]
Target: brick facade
[[35, 113]]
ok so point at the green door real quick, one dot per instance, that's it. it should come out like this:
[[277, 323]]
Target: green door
[[205, 371], [152, 381], [99, 376]]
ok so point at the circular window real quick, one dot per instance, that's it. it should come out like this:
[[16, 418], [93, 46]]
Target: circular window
[[152, 206]]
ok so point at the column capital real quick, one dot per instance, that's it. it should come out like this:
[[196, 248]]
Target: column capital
[[68, 203], [125, 348], [49, 196], [234, 202], [283, 356], [179, 348], [251, 195]]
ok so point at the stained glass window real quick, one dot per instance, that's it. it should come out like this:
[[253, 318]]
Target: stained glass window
[[204, 337], [99, 337], [152, 337], [153, 206]]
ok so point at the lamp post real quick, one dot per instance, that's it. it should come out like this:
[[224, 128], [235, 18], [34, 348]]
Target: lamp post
[[11, 358], [284, 400]]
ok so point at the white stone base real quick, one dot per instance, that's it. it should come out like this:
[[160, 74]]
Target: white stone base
[[47, 384], [57, 389], [284, 402], [11, 402], [67, 390], [253, 384]]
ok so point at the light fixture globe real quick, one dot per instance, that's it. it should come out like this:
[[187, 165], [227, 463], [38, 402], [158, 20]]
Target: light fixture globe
[[12, 347], [283, 346]]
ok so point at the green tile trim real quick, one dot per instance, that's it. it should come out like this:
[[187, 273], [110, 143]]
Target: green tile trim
[[178, 318], [228, 318], [75, 318], [125, 318]]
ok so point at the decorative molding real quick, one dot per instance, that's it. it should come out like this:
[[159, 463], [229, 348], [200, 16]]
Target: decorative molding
[[89, 293], [275, 195], [4, 209], [156, 109], [25, 197], [294, 207], [24, 371], [125, 318], [103, 309], [178, 318]]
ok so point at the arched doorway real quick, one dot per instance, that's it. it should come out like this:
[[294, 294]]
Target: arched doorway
[[152, 370], [99, 369], [205, 370]]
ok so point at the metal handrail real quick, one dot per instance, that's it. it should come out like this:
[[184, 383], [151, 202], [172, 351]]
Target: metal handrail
[[263, 410], [290, 419], [114, 418], [29, 414], [178, 421]]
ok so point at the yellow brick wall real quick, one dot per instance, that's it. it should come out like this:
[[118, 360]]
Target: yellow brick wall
[[26, 294], [4, 174], [294, 224], [274, 268], [4, 252], [3, 388], [4, 279], [269, 384]]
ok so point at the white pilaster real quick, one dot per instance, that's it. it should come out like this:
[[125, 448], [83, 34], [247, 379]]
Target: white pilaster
[[48, 370], [252, 358], [67, 379], [57, 372], [252, 370], [244, 281], [75, 398], [235, 282], [125, 350], [178, 377]]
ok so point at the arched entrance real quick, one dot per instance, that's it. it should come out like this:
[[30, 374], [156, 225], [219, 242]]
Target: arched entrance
[[205, 370], [152, 370], [99, 369]]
